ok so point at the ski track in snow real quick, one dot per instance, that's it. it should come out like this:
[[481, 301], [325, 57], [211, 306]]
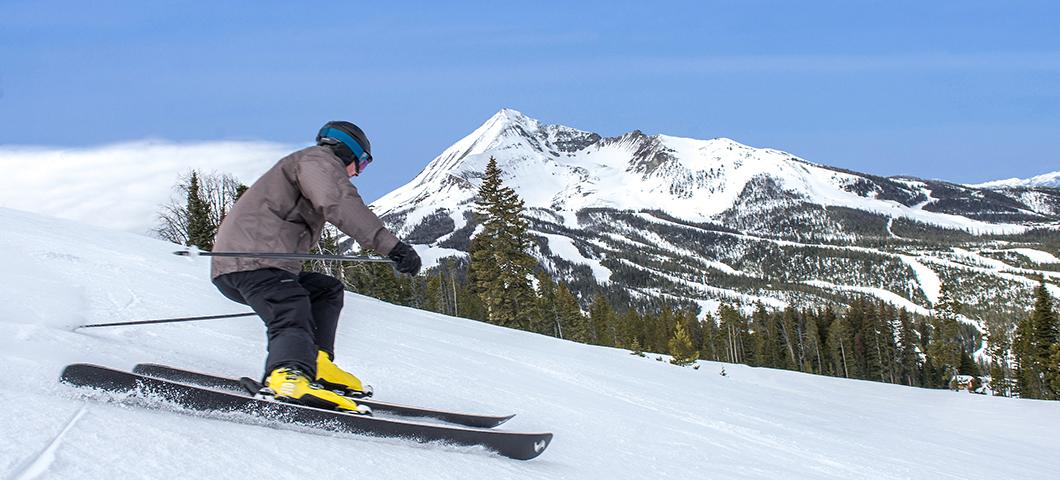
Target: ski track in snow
[[38, 464]]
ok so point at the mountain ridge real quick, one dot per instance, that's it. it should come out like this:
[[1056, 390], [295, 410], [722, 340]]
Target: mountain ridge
[[663, 168], [1051, 179]]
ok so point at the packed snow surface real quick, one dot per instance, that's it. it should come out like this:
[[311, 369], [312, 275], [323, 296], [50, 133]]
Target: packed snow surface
[[614, 415]]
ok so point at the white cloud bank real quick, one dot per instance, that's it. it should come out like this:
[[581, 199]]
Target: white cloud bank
[[120, 186]]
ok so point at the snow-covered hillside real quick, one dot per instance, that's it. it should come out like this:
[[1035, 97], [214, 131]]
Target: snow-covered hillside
[[614, 415]]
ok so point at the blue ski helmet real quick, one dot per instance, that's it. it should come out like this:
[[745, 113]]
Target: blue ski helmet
[[349, 141]]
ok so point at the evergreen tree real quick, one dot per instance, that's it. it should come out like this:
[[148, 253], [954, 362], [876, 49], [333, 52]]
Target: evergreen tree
[[825, 321], [546, 320], [500, 266], [681, 349], [888, 343], [766, 338], [967, 365], [1054, 377], [945, 346], [1000, 347], [929, 376], [689, 317], [814, 361], [468, 303], [790, 340], [602, 322], [572, 322], [200, 229], [840, 340], [631, 328], [873, 352], [734, 333], [657, 329], [1034, 348], [435, 298], [635, 348], [856, 351], [709, 349], [908, 359]]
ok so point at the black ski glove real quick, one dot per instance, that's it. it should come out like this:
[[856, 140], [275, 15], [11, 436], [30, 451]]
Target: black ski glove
[[405, 258]]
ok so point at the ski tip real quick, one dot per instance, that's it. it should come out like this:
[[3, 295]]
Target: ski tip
[[78, 367], [500, 420], [80, 374]]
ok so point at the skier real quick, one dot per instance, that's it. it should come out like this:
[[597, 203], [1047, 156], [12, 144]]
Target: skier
[[285, 211]]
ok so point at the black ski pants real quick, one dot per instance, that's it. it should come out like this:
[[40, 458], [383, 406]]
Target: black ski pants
[[300, 311]]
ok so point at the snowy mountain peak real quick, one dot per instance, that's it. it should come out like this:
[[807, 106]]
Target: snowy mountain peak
[[512, 116], [1044, 180], [562, 170]]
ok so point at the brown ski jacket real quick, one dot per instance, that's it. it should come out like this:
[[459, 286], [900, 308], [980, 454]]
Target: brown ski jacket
[[285, 210]]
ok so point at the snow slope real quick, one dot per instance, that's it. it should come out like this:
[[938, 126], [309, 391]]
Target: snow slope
[[614, 415]]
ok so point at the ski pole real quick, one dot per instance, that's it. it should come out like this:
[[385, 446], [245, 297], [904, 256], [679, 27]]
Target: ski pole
[[286, 256], [166, 320]]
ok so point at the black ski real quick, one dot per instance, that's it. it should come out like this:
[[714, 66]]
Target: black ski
[[233, 385], [521, 446]]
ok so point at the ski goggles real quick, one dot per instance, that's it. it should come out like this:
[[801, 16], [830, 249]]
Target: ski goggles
[[361, 157]]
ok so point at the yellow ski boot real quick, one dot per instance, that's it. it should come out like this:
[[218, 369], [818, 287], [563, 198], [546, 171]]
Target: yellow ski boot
[[334, 378], [290, 385]]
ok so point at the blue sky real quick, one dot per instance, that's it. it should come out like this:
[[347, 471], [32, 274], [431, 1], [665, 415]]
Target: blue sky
[[966, 91]]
